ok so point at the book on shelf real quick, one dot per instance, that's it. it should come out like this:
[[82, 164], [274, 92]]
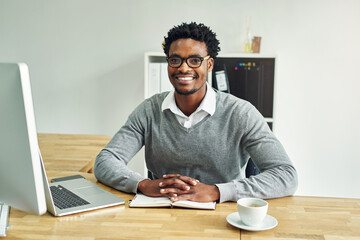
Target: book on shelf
[[141, 200]]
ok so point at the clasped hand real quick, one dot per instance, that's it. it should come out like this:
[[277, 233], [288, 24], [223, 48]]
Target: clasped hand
[[178, 187]]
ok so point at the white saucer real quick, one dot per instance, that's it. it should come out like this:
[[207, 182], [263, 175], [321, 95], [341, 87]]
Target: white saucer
[[268, 223]]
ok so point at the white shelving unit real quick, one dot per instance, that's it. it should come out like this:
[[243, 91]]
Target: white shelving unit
[[149, 58]]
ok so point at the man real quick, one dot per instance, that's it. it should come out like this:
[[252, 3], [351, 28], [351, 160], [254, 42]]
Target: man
[[197, 141]]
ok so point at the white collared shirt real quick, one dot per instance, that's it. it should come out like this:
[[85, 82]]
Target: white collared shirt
[[206, 107]]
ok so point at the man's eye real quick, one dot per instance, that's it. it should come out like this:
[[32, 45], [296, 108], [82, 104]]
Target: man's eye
[[194, 60], [174, 60]]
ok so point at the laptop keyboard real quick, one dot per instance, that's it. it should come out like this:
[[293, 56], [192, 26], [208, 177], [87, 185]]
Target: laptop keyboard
[[63, 198]]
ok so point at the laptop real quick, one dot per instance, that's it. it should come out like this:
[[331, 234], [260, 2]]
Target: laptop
[[76, 195], [24, 183]]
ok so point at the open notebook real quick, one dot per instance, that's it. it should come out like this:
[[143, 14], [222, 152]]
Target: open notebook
[[141, 200]]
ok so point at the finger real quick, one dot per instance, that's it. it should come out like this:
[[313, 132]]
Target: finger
[[174, 182], [189, 180], [181, 197], [171, 175], [183, 187], [172, 195], [169, 191]]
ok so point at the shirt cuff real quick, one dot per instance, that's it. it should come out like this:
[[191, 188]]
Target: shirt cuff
[[133, 182], [227, 192]]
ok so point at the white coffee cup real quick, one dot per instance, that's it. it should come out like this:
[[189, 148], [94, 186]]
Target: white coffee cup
[[252, 211]]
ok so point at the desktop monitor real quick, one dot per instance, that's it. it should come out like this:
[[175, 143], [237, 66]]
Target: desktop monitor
[[21, 181]]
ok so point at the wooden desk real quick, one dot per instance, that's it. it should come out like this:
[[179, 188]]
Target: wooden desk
[[298, 217], [122, 222], [70, 152]]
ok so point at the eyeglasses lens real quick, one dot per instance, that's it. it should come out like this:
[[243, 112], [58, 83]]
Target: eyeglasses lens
[[193, 62]]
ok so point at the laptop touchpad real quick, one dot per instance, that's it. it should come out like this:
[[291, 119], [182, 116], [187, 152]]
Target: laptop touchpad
[[89, 191]]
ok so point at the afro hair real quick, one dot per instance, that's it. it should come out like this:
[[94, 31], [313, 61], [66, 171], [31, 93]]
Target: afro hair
[[198, 32]]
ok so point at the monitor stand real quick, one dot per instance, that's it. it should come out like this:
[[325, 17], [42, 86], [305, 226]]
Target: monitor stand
[[4, 215]]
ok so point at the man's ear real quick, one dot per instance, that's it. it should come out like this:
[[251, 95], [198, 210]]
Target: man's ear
[[210, 64]]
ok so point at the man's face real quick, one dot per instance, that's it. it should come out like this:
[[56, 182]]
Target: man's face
[[188, 80]]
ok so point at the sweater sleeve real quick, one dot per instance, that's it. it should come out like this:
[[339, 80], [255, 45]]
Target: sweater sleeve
[[110, 166], [277, 178]]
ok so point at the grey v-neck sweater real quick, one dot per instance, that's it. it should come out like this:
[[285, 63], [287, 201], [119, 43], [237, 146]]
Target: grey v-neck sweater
[[215, 150]]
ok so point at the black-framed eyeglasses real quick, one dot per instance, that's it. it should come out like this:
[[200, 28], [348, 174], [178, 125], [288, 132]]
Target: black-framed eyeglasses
[[193, 62]]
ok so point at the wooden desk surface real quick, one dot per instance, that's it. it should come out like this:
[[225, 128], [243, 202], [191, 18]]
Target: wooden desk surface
[[122, 222], [298, 217], [70, 152]]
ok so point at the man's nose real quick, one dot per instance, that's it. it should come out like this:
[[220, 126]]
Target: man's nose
[[184, 67]]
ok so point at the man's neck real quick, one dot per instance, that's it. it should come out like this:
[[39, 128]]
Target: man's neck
[[189, 103]]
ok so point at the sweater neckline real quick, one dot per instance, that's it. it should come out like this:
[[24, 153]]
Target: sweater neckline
[[175, 122]]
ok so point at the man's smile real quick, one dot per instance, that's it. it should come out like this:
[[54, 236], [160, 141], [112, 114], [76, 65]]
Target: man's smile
[[184, 78]]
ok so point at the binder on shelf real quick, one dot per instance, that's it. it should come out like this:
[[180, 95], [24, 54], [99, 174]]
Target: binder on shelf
[[165, 84], [154, 79]]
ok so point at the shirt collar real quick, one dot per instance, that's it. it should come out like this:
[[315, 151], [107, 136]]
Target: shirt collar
[[208, 104]]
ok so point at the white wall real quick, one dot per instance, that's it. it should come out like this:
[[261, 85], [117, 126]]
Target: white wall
[[86, 63]]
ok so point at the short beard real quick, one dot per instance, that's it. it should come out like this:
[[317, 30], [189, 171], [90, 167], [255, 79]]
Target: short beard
[[186, 93], [190, 92]]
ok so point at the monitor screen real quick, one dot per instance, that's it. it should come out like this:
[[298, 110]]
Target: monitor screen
[[21, 181]]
